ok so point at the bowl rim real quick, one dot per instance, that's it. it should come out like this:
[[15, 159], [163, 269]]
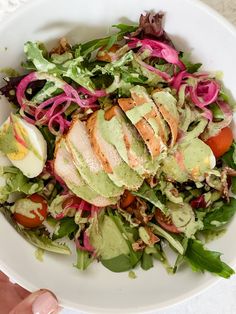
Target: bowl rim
[[14, 277]]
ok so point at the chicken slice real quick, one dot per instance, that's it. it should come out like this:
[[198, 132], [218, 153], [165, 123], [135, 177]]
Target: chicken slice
[[87, 163], [65, 168], [166, 104], [104, 139], [130, 145], [145, 130]]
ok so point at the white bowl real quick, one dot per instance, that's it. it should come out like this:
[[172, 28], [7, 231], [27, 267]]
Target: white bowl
[[194, 27]]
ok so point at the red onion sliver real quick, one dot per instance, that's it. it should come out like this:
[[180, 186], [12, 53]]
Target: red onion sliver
[[163, 75], [87, 244], [159, 49], [96, 93]]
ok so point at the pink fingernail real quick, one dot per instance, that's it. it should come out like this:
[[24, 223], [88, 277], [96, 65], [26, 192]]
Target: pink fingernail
[[45, 304]]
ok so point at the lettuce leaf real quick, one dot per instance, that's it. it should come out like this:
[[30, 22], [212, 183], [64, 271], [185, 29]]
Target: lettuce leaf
[[173, 242], [35, 53], [148, 194], [202, 259], [122, 262], [71, 68], [36, 238], [229, 158], [17, 182], [84, 259], [67, 227]]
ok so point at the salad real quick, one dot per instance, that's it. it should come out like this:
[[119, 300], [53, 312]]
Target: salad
[[119, 148]]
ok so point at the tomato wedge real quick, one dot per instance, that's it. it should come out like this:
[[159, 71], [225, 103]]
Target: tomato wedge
[[31, 211], [165, 222], [127, 199], [221, 143]]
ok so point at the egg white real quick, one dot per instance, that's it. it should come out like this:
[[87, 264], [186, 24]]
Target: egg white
[[32, 165]]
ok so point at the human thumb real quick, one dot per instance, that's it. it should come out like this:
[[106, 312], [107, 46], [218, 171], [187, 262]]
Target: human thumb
[[39, 302]]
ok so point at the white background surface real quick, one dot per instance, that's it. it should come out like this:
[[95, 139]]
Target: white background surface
[[221, 298]]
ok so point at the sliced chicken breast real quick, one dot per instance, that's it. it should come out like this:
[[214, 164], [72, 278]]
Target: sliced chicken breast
[[166, 103], [65, 168], [87, 162], [145, 130], [105, 138], [130, 145]]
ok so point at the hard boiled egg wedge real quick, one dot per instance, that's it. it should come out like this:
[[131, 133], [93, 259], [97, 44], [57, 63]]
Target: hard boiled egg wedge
[[24, 145]]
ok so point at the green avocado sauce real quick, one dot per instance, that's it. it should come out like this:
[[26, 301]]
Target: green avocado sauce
[[8, 142], [107, 239], [27, 208], [111, 131], [196, 159], [98, 181], [137, 113]]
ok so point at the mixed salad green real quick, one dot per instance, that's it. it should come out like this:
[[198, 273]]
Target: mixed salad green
[[121, 146]]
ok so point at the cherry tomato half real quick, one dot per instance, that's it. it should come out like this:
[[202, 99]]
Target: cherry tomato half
[[34, 216], [221, 143], [165, 222]]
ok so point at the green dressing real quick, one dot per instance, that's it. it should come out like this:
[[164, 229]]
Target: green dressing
[[137, 113], [98, 181], [107, 239], [27, 208]]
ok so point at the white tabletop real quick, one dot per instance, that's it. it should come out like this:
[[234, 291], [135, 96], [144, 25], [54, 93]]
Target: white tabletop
[[221, 298]]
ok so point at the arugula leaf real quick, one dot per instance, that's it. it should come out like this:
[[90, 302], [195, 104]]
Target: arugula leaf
[[88, 47], [106, 42], [229, 158], [118, 264], [190, 67], [202, 259], [125, 28], [146, 261], [17, 182], [66, 228], [148, 194], [220, 216], [83, 259]]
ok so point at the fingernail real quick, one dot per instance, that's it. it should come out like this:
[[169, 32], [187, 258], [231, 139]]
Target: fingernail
[[45, 304]]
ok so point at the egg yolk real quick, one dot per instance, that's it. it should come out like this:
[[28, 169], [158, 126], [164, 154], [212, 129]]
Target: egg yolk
[[22, 151]]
